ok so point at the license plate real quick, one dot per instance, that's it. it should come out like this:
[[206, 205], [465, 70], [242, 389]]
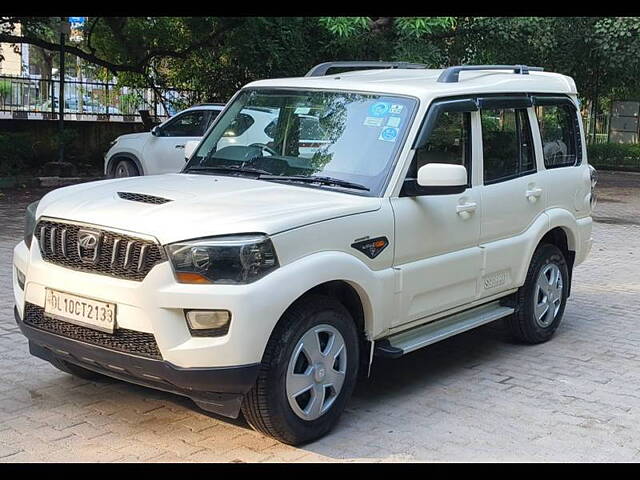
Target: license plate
[[82, 311]]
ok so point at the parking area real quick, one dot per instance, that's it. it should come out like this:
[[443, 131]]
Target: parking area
[[474, 397]]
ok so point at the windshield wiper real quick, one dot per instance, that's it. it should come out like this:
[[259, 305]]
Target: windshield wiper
[[229, 169], [322, 180]]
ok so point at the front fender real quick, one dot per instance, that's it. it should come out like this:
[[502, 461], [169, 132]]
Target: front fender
[[375, 288]]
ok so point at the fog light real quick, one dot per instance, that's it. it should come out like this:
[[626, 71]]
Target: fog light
[[208, 323], [21, 278]]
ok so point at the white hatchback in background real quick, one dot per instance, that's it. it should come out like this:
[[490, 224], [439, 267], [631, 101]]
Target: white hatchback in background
[[162, 149]]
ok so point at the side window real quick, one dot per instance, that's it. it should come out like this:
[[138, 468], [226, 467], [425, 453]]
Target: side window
[[191, 124], [559, 133], [449, 142], [506, 144]]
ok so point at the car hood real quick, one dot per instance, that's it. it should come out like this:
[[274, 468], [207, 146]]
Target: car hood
[[133, 136], [200, 205]]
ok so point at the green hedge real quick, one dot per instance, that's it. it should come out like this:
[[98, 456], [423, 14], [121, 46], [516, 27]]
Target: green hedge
[[25, 153], [622, 156]]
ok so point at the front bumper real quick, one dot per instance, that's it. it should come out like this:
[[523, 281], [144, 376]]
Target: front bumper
[[218, 389]]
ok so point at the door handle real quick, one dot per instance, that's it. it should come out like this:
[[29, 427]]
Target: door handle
[[466, 209], [533, 194], [179, 146]]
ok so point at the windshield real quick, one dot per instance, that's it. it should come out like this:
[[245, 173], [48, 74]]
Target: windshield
[[340, 138]]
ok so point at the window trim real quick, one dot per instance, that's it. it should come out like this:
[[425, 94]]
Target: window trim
[[410, 187], [550, 100], [525, 114]]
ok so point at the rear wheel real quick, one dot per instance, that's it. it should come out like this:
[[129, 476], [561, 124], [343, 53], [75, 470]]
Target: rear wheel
[[308, 372], [125, 168], [543, 296]]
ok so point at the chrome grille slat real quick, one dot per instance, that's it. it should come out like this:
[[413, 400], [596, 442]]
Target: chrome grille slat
[[143, 253], [63, 242], [127, 255], [53, 239], [114, 250], [59, 245]]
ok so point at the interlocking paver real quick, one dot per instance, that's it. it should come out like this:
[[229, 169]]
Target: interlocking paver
[[477, 396]]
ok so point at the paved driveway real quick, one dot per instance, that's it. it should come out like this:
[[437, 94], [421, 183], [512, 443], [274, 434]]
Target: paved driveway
[[475, 397]]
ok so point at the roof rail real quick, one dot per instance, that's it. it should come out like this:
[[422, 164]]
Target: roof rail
[[452, 74], [209, 104], [322, 68]]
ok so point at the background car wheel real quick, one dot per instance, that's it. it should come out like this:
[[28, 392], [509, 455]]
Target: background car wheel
[[542, 298], [125, 168], [308, 372], [75, 370]]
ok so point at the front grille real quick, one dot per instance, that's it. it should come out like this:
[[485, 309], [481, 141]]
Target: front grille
[[122, 340], [141, 197], [113, 254]]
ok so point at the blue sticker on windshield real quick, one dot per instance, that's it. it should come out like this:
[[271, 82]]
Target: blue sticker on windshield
[[388, 134], [393, 122], [379, 109]]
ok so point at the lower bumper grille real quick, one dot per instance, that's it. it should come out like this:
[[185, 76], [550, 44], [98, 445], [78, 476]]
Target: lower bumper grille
[[123, 340]]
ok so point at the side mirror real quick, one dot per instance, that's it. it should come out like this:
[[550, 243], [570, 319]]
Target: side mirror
[[442, 179], [189, 148], [156, 132]]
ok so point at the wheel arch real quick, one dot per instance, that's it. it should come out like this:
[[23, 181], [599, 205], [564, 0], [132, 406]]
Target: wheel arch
[[111, 164], [355, 299]]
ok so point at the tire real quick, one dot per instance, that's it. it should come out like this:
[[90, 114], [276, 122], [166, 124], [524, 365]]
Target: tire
[[75, 370], [125, 168], [272, 407], [529, 324]]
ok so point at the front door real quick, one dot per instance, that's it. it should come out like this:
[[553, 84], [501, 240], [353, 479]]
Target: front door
[[165, 153], [436, 240]]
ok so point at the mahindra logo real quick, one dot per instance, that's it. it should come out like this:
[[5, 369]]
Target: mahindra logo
[[89, 245]]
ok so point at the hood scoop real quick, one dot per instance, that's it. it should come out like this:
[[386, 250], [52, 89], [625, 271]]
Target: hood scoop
[[142, 197]]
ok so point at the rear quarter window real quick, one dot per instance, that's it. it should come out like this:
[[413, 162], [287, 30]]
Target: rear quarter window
[[559, 135]]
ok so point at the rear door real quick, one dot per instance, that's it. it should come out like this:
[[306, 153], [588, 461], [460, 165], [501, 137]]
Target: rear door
[[513, 194]]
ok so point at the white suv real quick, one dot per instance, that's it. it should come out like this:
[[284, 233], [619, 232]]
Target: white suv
[[162, 149], [264, 281]]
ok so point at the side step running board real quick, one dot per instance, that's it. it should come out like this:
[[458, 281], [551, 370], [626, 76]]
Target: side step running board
[[415, 338]]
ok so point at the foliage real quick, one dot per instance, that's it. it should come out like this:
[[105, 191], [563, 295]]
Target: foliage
[[5, 89], [17, 152], [213, 56], [614, 155]]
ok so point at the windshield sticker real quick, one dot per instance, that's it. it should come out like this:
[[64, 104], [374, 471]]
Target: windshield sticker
[[395, 108], [388, 134], [393, 121], [302, 110], [379, 109], [373, 121]]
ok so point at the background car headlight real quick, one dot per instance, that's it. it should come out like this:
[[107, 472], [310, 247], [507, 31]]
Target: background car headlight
[[30, 223], [234, 259]]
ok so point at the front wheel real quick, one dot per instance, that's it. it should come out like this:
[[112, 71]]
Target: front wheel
[[125, 168], [543, 296], [308, 372]]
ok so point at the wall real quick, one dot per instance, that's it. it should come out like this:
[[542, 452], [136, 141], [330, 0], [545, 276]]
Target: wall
[[35, 142]]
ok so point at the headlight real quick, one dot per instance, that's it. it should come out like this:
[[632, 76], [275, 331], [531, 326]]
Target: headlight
[[30, 223], [113, 142], [234, 259]]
